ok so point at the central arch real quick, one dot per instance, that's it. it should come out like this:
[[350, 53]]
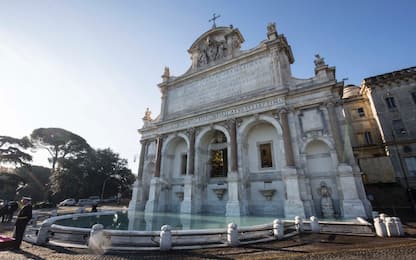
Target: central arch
[[212, 167]]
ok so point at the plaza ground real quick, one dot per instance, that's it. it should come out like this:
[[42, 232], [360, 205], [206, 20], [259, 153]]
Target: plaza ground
[[305, 246]]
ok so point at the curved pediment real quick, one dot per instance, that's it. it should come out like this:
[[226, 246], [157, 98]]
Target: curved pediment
[[215, 46]]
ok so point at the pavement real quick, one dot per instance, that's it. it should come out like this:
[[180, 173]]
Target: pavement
[[304, 246]]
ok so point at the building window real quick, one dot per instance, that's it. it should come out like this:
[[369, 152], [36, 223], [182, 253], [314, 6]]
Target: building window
[[368, 138], [398, 127], [361, 112], [411, 166], [265, 151], [414, 97], [391, 104], [184, 161], [219, 163]]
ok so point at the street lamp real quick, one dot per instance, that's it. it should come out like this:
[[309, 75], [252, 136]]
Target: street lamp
[[116, 176], [402, 169]]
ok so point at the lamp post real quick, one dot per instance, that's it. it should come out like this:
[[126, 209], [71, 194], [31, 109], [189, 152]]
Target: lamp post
[[116, 176], [403, 170]]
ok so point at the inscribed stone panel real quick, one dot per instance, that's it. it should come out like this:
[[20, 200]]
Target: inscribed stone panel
[[232, 82], [311, 120]]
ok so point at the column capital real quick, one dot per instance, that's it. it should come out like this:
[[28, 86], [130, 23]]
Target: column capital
[[331, 103], [190, 132], [230, 123], [283, 111]]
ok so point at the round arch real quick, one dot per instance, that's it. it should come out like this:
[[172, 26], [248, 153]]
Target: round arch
[[249, 123], [171, 138]]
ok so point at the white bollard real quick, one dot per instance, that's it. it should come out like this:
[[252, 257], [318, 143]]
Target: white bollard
[[383, 217], [232, 235], [165, 238], [299, 224], [380, 227], [43, 233], [399, 226], [278, 229], [97, 239], [315, 227], [391, 227]]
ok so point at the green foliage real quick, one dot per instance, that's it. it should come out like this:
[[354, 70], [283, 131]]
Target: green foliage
[[60, 144], [11, 150], [78, 171], [89, 172]]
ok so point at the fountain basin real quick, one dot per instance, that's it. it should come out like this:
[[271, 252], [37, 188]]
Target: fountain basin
[[56, 231]]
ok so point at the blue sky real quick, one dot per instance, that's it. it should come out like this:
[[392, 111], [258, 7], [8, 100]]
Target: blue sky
[[92, 67]]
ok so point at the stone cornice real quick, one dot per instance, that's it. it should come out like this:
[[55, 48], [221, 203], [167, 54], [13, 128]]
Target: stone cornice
[[225, 113], [391, 76]]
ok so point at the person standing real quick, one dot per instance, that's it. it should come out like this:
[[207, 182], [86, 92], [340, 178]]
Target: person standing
[[23, 217]]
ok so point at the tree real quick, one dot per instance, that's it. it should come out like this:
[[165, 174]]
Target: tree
[[11, 150], [60, 144], [71, 173], [108, 165], [89, 172]]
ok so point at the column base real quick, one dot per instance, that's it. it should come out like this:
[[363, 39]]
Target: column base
[[233, 209], [186, 204], [136, 203], [154, 192]]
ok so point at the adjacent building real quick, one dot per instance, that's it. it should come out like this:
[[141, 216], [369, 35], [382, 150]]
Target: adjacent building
[[366, 139], [238, 134], [392, 97]]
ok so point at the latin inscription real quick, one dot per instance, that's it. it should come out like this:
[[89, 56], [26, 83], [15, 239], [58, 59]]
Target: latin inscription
[[239, 79], [224, 114]]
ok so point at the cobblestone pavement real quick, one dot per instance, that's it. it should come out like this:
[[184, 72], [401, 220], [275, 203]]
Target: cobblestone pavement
[[305, 246]]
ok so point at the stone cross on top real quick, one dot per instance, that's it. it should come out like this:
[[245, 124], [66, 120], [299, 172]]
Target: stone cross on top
[[213, 20]]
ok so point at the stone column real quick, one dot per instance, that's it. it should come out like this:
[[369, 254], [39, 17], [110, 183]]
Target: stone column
[[136, 202], [152, 203], [290, 162], [141, 160], [191, 157], [336, 133], [158, 156], [233, 204], [233, 134], [188, 187]]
